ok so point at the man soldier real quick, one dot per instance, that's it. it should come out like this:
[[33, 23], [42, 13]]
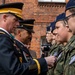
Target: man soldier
[[10, 14], [23, 36]]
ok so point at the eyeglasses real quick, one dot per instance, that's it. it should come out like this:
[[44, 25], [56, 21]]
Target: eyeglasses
[[68, 17]]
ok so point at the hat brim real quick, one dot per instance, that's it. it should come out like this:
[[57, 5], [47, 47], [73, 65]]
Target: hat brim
[[26, 29], [20, 18], [70, 8]]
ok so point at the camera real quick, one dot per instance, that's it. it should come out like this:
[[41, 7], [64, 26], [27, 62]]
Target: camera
[[45, 47]]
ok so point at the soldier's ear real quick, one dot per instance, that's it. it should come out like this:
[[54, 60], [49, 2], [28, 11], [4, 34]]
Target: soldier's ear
[[4, 17], [19, 32]]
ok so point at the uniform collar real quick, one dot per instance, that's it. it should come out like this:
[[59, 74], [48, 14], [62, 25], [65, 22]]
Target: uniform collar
[[19, 42], [5, 30]]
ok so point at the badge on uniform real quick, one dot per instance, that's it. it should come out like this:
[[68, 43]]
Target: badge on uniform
[[72, 60], [59, 56]]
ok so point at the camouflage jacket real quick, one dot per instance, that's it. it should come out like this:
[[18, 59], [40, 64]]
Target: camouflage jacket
[[59, 64], [54, 51], [69, 61]]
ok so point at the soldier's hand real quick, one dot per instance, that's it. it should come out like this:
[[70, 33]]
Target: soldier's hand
[[50, 60]]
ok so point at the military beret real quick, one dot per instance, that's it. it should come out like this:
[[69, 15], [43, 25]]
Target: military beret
[[51, 27], [12, 8], [70, 4], [48, 28], [60, 17], [27, 25]]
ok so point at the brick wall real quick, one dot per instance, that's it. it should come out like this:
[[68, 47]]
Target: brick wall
[[43, 13]]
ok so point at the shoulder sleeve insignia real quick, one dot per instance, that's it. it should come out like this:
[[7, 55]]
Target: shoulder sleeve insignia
[[59, 56], [72, 60]]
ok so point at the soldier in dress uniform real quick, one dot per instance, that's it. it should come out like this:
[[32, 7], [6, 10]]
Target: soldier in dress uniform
[[10, 63], [23, 36], [69, 68]]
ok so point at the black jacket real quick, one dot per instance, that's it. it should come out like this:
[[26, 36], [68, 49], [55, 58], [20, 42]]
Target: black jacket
[[9, 60], [24, 51]]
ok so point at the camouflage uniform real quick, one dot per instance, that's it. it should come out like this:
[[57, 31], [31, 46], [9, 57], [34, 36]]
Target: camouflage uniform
[[69, 62], [54, 50], [60, 62], [66, 64]]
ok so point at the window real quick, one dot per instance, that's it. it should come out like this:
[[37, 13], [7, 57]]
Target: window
[[62, 1]]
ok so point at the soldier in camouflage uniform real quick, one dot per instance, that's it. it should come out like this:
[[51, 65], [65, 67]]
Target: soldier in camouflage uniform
[[62, 37], [49, 35], [55, 48], [69, 64], [51, 28]]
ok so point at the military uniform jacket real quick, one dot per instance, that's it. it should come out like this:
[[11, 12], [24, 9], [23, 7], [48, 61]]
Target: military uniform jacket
[[24, 51], [9, 60], [69, 61], [60, 63], [55, 49]]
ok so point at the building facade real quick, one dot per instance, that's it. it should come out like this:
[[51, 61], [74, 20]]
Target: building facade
[[44, 12]]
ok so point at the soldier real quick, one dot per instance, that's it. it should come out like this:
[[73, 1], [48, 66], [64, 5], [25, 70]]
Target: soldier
[[23, 35], [10, 14], [69, 68], [49, 37], [55, 48], [46, 48], [64, 34], [29, 24]]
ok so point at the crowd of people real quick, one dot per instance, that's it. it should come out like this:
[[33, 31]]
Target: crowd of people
[[61, 34], [16, 36]]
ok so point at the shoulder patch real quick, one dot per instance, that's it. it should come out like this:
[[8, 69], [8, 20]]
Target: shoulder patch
[[72, 60], [59, 56], [55, 54]]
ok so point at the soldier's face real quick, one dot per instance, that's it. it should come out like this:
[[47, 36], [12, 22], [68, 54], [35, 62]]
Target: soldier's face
[[61, 32], [71, 21], [49, 36], [25, 36], [11, 22], [55, 35]]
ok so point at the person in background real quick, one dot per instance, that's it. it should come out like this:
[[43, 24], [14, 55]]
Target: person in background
[[46, 48], [55, 49], [10, 63]]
